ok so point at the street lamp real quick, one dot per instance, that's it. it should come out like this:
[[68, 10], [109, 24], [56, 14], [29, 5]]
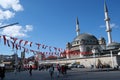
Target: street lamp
[[16, 58], [8, 25], [94, 51]]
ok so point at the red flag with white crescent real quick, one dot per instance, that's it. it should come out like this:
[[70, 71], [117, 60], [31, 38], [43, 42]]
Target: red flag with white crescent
[[14, 39], [8, 43], [38, 45], [20, 42], [12, 45], [16, 46], [30, 44], [25, 43], [4, 38]]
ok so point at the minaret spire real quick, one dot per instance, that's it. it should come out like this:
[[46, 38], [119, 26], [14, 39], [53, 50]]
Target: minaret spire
[[77, 27], [105, 7], [108, 28]]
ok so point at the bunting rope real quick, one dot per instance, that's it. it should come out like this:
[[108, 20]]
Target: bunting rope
[[20, 44]]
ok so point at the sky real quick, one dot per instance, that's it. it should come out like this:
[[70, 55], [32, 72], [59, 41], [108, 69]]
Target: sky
[[53, 22]]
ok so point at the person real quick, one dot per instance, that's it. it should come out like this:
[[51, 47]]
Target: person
[[63, 70], [58, 67], [51, 71], [92, 66], [19, 68], [2, 72], [66, 67], [30, 70], [15, 70], [58, 70]]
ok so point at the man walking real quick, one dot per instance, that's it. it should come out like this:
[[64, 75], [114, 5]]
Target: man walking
[[30, 70], [51, 71]]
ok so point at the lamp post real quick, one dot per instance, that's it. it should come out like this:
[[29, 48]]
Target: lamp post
[[58, 60], [8, 25], [16, 59], [94, 51]]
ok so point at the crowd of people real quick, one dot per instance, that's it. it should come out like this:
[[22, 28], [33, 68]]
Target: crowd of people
[[54, 68], [58, 69]]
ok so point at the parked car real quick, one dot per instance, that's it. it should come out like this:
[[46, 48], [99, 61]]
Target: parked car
[[80, 66], [71, 65], [75, 65]]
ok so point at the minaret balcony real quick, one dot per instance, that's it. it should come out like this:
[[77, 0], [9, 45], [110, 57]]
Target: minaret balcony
[[109, 30], [107, 19]]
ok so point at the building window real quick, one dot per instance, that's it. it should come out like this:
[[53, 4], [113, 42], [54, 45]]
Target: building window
[[87, 49], [77, 42]]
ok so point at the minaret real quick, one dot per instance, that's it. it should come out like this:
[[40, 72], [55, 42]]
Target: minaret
[[77, 27], [107, 19]]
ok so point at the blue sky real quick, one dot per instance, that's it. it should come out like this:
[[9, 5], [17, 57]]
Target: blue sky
[[53, 22]]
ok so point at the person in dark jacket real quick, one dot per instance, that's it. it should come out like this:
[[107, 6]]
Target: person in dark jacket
[[30, 70], [2, 72]]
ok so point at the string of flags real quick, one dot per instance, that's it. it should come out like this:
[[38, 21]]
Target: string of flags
[[20, 44]]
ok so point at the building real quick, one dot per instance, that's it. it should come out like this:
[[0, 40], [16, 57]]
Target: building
[[9, 60], [85, 44]]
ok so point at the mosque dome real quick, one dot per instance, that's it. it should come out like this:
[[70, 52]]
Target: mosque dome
[[86, 38]]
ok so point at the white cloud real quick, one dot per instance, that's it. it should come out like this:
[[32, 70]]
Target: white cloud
[[6, 14], [112, 25], [28, 28], [102, 26], [8, 8], [17, 31], [14, 4]]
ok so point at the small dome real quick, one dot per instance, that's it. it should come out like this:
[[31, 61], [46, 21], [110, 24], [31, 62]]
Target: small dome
[[87, 38], [102, 38]]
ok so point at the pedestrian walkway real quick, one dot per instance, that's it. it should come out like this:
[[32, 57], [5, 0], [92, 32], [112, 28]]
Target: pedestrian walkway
[[76, 74], [36, 75]]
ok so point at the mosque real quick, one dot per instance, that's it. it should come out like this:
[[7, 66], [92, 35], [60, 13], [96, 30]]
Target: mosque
[[85, 44]]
